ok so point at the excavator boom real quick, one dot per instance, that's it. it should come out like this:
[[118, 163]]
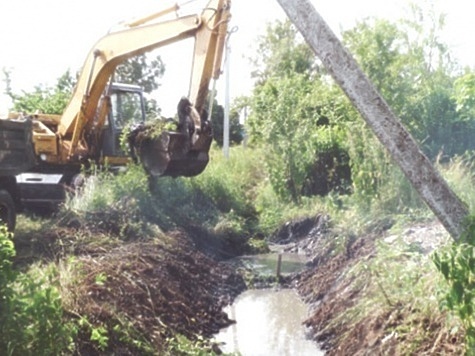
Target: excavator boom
[[136, 38]]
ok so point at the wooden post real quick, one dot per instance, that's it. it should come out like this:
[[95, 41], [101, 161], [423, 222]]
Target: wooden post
[[279, 266], [433, 189]]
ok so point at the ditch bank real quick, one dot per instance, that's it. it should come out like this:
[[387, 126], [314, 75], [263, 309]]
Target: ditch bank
[[341, 282], [146, 296]]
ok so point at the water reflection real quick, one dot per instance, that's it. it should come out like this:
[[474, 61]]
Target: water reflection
[[268, 322], [266, 264]]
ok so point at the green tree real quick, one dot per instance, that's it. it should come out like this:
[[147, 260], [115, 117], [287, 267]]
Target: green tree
[[293, 119], [281, 52], [43, 99], [236, 131], [293, 113], [144, 71], [139, 70], [464, 95], [414, 72]]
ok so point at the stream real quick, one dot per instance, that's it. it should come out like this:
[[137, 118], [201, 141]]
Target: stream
[[268, 321]]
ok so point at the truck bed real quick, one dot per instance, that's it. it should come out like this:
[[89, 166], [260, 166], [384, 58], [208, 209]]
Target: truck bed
[[16, 146]]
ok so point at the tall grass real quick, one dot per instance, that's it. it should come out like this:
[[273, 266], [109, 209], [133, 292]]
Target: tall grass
[[400, 287], [459, 173], [233, 183]]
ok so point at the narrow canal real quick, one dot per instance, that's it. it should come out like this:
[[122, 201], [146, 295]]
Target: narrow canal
[[268, 321]]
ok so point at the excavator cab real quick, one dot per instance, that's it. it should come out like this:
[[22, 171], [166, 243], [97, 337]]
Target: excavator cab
[[127, 110]]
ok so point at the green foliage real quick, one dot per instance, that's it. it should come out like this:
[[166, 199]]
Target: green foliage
[[31, 314], [109, 202], [415, 74], [127, 333], [43, 99], [464, 95], [289, 115], [231, 183], [282, 52], [457, 265], [396, 286], [7, 252], [142, 70], [459, 174], [179, 345], [98, 334], [236, 134], [126, 203]]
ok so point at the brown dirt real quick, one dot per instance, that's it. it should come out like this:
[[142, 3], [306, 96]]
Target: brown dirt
[[330, 293], [166, 286], [154, 289]]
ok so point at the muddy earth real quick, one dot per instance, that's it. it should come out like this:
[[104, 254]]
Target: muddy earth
[[179, 282], [329, 294]]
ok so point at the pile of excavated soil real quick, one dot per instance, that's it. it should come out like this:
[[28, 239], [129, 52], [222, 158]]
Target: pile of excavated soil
[[330, 293], [150, 290], [158, 288]]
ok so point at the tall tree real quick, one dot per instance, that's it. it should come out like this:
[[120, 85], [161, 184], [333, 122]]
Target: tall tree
[[294, 115], [43, 99], [236, 130], [142, 70], [281, 52], [414, 72]]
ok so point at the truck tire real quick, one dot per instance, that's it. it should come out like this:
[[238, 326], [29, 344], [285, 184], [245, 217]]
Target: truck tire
[[7, 210]]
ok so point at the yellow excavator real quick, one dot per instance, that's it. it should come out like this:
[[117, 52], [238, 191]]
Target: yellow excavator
[[42, 153]]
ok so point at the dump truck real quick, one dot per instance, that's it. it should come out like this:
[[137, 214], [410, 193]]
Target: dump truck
[[42, 155]]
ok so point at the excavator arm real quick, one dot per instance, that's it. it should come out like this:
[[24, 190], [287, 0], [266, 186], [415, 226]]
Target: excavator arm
[[135, 38]]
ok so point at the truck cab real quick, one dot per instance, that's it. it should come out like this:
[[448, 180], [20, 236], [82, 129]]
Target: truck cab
[[44, 186]]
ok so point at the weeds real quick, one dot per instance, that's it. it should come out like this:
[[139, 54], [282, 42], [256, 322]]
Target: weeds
[[398, 290], [31, 317], [234, 200], [457, 265]]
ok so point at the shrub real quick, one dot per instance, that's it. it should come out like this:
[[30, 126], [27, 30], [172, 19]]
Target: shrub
[[31, 315]]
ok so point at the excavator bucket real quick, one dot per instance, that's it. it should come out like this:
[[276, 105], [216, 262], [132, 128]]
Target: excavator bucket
[[172, 154], [183, 152]]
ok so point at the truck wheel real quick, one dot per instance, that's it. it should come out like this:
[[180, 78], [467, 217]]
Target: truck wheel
[[7, 210]]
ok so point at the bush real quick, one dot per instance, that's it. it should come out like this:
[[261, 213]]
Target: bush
[[457, 265], [31, 315]]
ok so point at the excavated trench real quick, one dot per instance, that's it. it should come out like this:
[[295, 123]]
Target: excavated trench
[[186, 283], [268, 321]]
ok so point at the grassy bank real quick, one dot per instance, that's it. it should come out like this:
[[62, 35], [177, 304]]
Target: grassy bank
[[228, 210]]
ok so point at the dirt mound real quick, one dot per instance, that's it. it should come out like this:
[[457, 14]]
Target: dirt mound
[[332, 292], [158, 289], [299, 229]]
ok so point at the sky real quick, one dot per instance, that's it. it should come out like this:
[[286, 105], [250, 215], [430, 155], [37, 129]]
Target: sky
[[41, 39]]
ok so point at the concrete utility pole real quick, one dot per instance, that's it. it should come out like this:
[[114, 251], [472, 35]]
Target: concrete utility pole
[[434, 190], [227, 68]]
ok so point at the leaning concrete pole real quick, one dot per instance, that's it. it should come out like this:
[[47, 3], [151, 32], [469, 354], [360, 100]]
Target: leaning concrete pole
[[433, 189]]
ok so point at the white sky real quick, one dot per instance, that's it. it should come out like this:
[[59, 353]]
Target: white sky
[[41, 39]]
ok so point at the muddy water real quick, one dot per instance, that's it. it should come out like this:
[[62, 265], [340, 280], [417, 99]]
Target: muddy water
[[268, 322], [266, 264]]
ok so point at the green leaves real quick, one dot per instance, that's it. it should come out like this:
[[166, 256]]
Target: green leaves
[[31, 314], [45, 99], [7, 252], [290, 116], [457, 265]]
